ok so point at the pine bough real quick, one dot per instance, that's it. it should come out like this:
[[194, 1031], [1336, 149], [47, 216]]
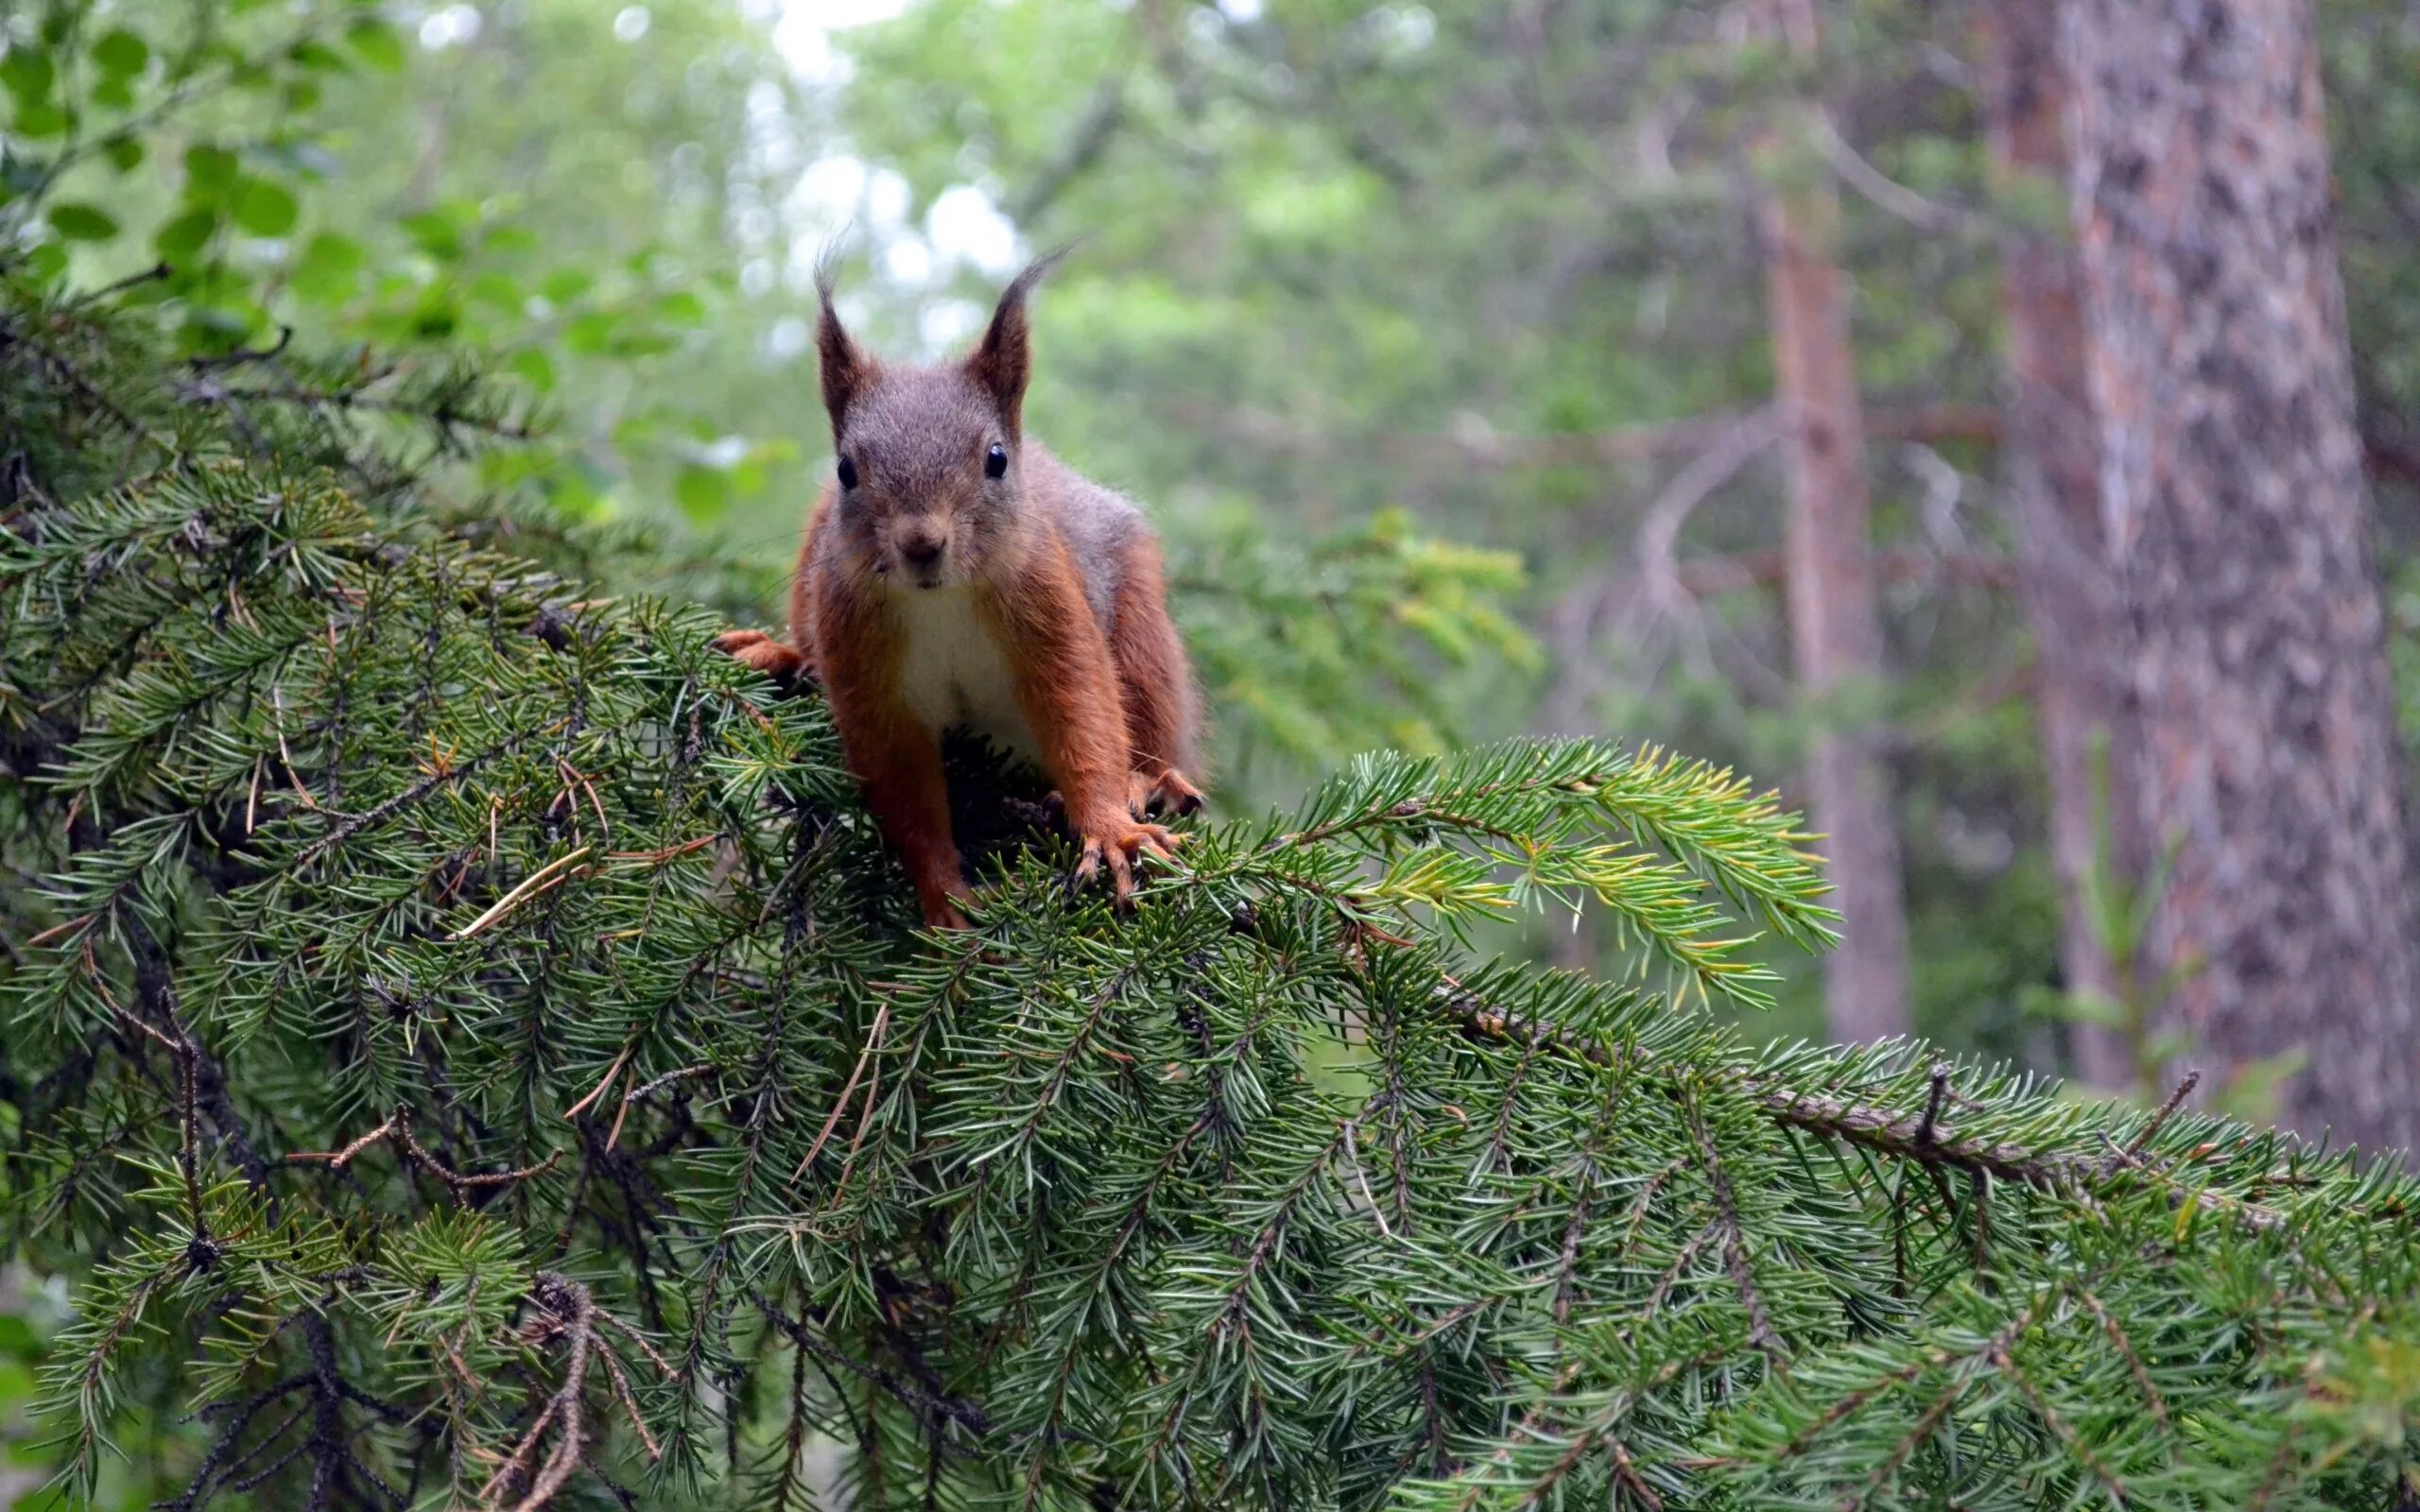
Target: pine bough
[[467, 1048]]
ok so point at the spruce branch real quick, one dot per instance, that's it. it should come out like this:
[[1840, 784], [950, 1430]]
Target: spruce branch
[[1886, 1131], [353, 831]]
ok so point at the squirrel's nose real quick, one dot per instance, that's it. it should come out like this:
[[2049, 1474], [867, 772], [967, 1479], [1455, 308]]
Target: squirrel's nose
[[920, 551]]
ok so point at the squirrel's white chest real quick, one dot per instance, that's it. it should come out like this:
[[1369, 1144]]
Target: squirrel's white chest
[[954, 671]]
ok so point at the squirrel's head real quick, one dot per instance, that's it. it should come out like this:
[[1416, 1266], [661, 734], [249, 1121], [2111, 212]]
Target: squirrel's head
[[930, 470]]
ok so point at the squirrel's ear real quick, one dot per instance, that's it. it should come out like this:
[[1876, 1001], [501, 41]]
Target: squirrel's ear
[[1004, 359], [846, 367]]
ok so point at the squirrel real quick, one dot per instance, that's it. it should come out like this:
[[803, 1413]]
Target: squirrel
[[954, 572]]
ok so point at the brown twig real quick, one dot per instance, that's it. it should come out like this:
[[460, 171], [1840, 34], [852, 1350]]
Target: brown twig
[[1734, 1245], [537, 881], [567, 1312], [639, 1094], [1933, 1103], [664, 853], [1630, 1477], [848, 1090], [1883, 1130], [569, 1308], [932, 1409], [398, 1131], [630, 1403], [598, 1091], [2150, 1131], [2059, 1426], [1567, 1269], [1840, 1411]]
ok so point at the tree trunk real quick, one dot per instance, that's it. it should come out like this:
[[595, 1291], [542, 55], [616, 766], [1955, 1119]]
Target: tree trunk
[[2232, 486], [1836, 628], [2052, 459]]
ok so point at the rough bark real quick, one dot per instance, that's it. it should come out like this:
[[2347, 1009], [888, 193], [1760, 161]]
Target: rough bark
[[1835, 623], [2238, 520], [2051, 460]]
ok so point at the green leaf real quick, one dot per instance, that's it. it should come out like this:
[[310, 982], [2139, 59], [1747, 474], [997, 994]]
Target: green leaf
[[377, 43], [121, 52], [125, 153], [704, 493], [46, 263], [82, 222], [591, 333], [187, 234], [635, 340], [210, 172], [319, 57], [215, 328], [497, 292], [435, 320], [27, 74], [264, 208], [680, 308], [17, 1339], [535, 368], [434, 233], [38, 121], [329, 269]]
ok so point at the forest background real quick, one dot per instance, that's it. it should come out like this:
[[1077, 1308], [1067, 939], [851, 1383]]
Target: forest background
[[1476, 305]]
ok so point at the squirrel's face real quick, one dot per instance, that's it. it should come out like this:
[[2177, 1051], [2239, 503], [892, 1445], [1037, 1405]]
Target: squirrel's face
[[928, 480], [928, 469]]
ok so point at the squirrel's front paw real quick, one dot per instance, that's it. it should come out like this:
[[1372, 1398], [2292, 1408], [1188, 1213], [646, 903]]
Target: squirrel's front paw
[[1167, 793], [1120, 845], [939, 894], [944, 915], [754, 648]]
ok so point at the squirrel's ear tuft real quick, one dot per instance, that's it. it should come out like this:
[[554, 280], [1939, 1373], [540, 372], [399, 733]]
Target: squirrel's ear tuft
[[846, 367], [1004, 359]]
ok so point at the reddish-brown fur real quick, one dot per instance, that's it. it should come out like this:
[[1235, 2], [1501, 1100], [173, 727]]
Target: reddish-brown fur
[[1156, 683], [1111, 706]]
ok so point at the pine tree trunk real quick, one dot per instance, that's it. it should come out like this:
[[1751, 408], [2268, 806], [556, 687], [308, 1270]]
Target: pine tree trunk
[[1836, 626], [2052, 459], [2232, 481]]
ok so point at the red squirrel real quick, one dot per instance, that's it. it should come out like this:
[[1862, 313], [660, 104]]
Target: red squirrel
[[956, 573]]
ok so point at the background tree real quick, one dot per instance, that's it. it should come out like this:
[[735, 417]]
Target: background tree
[[2231, 471], [1836, 630], [2052, 459]]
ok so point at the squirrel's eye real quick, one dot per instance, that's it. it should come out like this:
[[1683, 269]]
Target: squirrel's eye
[[996, 461], [848, 473]]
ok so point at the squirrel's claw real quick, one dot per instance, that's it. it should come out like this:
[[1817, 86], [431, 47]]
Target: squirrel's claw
[[1122, 849], [1174, 794], [1168, 793], [938, 897]]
